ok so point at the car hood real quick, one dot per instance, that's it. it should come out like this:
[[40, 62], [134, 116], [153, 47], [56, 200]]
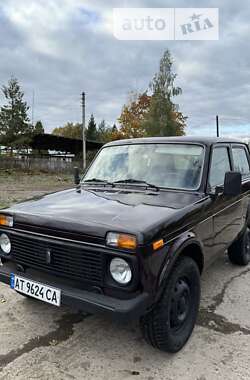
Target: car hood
[[94, 212]]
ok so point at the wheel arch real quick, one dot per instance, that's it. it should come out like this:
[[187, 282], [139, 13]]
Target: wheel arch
[[187, 246], [194, 251]]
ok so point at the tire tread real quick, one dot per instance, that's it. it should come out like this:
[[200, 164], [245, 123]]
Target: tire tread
[[153, 326], [236, 252]]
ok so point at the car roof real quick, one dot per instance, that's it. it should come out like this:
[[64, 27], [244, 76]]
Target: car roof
[[178, 139]]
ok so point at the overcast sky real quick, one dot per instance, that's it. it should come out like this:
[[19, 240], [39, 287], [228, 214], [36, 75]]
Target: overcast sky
[[59, 48]]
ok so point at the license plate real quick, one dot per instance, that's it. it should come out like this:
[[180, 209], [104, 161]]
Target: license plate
[[36, 289]]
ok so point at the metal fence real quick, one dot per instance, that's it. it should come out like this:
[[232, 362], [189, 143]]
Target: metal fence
[[47, 165]]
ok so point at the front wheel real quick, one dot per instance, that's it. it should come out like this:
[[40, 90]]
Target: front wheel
[[239, 251], [169, 325]]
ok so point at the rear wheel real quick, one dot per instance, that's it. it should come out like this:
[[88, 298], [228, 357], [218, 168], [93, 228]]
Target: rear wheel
[[239, 251], [169, 325]]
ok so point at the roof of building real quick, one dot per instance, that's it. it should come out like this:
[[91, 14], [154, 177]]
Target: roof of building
[[47, 141]]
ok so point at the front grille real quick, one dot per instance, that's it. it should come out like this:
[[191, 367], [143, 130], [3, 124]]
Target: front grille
[[67, 260]]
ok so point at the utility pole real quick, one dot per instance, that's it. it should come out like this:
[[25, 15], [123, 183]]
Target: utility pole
[[217, 126], [83, 133], [33, 105]]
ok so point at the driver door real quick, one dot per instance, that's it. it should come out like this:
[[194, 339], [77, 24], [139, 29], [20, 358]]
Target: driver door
[[227, 210]]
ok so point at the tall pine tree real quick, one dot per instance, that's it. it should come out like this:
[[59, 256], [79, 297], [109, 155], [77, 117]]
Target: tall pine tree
[[91, 133], [15, 130], [38, 128]]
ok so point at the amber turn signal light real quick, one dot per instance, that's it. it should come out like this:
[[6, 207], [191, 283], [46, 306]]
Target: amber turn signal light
[[6, 220], [158, 244]]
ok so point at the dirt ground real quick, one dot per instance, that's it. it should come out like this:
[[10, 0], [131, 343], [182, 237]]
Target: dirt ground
[[18, 186], [39, 341]]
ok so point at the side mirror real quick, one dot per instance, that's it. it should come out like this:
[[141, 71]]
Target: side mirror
[[232, 184], [77, 179]]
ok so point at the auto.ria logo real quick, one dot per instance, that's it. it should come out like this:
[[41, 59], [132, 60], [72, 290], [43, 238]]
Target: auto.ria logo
[[197, 24], [166, 23]]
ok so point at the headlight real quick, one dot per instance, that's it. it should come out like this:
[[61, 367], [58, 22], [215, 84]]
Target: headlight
[[121, 240], [5, 244], [120, 271], [6, 220]]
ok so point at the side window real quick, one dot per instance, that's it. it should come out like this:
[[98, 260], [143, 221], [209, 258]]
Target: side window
[[220, 164], [241, 163]]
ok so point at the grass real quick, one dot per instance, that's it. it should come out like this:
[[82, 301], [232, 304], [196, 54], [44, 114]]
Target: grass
[[16, 186]]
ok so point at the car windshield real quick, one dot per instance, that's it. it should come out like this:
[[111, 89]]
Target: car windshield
[[169, 165]]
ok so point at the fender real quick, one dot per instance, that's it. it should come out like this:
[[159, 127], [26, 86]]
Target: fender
[[174, 252]]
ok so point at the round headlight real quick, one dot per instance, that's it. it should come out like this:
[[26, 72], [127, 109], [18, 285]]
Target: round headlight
[[5, 243], [120, 271]]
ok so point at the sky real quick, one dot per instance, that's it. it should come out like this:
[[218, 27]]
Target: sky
[[59, 48]]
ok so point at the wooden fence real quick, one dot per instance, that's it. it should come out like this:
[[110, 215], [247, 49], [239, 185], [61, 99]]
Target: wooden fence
[[46, 165]]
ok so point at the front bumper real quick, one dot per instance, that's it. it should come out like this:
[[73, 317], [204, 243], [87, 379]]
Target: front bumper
[[87, 301]]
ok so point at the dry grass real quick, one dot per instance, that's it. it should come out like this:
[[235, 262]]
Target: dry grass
[[18, 186]]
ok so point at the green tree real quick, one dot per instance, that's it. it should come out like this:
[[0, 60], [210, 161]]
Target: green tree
[[106, 133], [101, 131], [91, 132], [38, 128], [163, 117], [112, 133], [101, 128], [15, 130], [70, 130]]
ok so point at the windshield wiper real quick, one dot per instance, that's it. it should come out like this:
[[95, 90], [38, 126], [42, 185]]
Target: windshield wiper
[[98, 181], [136, 181], [123, 181]]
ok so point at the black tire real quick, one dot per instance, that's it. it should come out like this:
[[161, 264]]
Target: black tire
[[169, 325], [248, 216], [239, 251]]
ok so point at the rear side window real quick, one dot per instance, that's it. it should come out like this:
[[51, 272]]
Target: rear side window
[[241, 163], [220, 164]]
